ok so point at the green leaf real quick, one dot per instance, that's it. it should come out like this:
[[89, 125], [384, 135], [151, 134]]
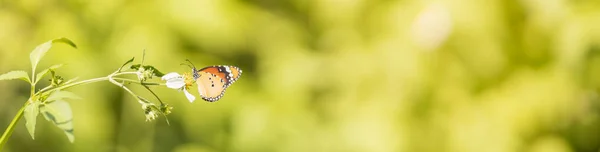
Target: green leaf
[[40, 75], [135, 66], [59, 112], [148, 67], [31, 113], [127, 62], [39, 51], [15, 75], [60, 95], [65, 41]]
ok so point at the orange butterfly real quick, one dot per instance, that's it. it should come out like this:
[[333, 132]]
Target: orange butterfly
[[214, 80]]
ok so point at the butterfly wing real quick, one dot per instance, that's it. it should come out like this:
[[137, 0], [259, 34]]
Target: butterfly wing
[[212, 81], [210, 86]]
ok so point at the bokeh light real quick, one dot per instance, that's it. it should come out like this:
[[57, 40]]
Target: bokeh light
[[320, 75]]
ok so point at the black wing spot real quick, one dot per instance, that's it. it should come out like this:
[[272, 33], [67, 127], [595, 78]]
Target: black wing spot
[[212, 85], [210, 78]]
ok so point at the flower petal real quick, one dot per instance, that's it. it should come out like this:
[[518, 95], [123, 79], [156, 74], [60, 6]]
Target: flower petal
[[189, 96], [171, 76], [175, 83]]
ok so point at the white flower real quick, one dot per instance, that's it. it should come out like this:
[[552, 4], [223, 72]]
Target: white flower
[[144, 74], [176, 81], [151, 116], [189, 96], [148, 111]]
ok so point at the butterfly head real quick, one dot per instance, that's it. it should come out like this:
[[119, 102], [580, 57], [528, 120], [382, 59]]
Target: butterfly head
[[193, 67], [190, 77]]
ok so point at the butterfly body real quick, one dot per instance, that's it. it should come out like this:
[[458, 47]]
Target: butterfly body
[[212, 81]]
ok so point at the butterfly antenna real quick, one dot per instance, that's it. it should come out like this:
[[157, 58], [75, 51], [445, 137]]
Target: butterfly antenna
[[187, 65], [194, 66], [191, 65]]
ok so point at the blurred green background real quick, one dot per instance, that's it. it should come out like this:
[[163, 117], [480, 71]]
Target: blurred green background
[[321, 75]]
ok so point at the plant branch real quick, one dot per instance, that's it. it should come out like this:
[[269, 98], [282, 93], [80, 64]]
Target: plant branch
[[112, 80], [8, 132], [138, 82], [11, 127], [148, 88], [50, 89]]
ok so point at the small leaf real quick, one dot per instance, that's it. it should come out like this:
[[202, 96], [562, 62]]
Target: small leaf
[[39, 51], [128, 61], [40, 75], [31, 113], [55, 66], [59, 112], [148, 67], [61, 94], [155, 71], [15, 75], [65, 41], [135, 66]]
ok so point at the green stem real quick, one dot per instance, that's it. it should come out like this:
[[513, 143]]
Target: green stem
[[32, 89], [33, 82], [49, 89], [92, 81], [122, 86], [138, 82], [148, 88], [11, 126], [112, 80]]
